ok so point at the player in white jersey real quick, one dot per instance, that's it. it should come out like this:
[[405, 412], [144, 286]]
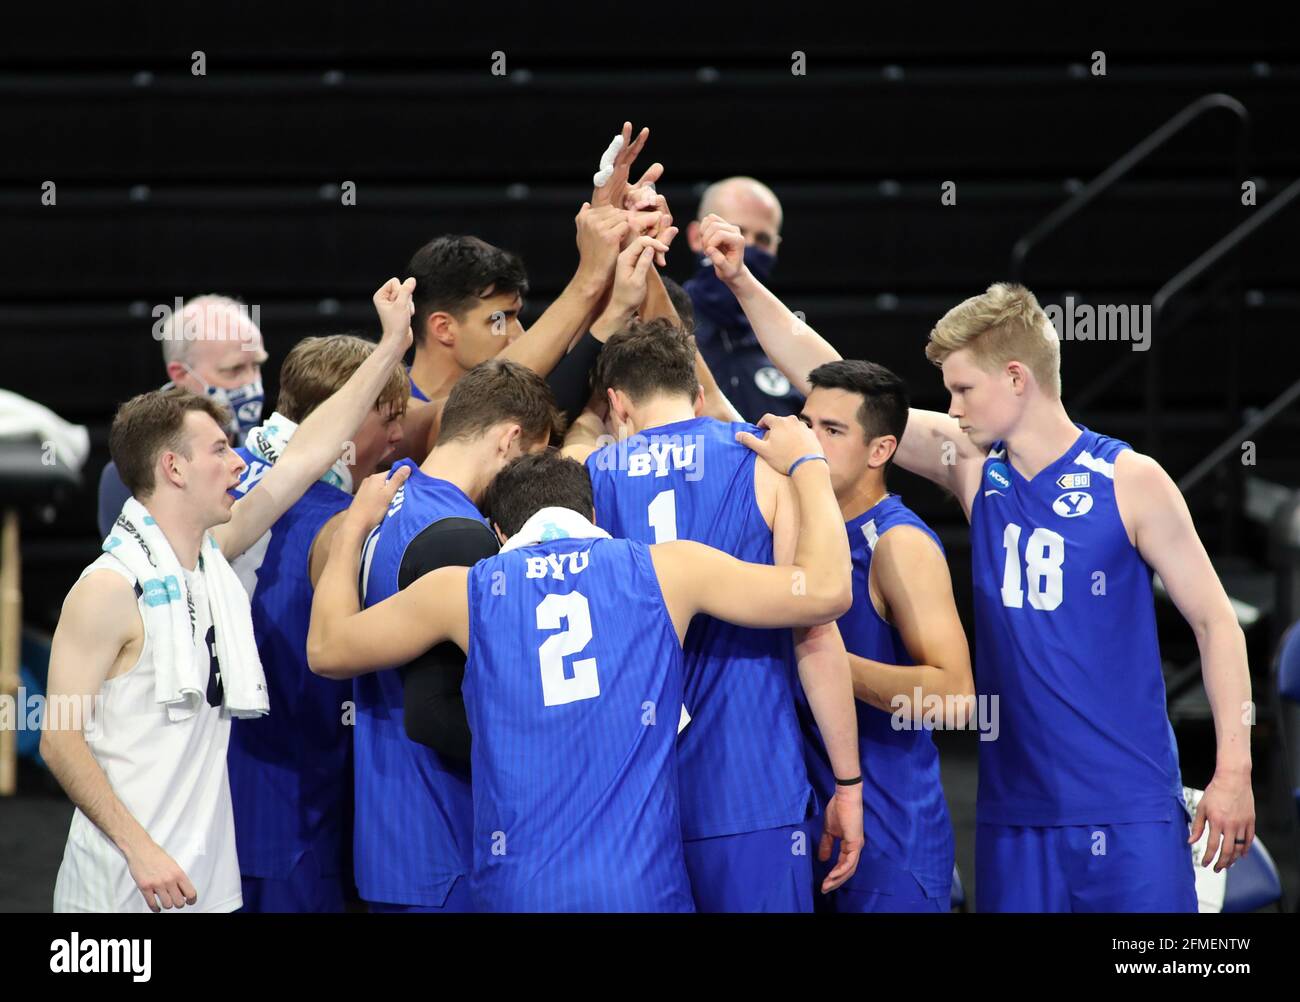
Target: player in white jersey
[[153, 827]]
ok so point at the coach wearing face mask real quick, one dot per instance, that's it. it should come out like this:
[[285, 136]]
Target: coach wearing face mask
[[213, 347], [744, 373]]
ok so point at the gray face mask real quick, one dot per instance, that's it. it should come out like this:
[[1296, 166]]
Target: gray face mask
[[244, 403]]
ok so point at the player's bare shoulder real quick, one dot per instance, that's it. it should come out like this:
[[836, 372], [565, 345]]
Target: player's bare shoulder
[[101, 609], [1143, 490], [903, 556]]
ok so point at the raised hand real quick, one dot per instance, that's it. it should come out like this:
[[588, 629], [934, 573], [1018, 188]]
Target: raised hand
[[602, 232], [642, 198], [787, 439], [373, 498], [615, 166], [724, 246], [630, 274], [394, 304]]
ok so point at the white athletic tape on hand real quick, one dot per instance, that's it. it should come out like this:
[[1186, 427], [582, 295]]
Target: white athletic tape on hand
[[607, 163]]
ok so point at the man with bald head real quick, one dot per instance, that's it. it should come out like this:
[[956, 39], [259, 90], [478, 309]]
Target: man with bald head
[[210, 345], [727, 342]]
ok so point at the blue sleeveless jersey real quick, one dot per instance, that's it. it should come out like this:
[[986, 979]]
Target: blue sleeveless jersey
[[903, 807], [741, 757], [291, 771], [573, 688], [1065, 636], [416, 392], [413, 808]]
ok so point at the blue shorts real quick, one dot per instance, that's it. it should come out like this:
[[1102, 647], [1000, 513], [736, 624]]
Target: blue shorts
[[879, 884], [1137, 867], [763, 871], [458, 900], [305, 889]]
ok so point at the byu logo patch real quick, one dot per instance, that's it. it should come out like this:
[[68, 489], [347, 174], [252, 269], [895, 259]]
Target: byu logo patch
[[771, 381], [1072, 504], [1073, 481]]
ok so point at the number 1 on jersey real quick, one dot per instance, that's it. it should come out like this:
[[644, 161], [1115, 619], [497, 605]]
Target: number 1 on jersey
[[663, 516]]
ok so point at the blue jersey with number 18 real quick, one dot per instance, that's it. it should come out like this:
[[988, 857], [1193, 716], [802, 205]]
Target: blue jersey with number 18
[[573, 689], [1065, 637]]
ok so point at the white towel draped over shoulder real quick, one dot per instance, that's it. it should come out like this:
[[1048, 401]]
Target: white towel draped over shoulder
[[182, 659]]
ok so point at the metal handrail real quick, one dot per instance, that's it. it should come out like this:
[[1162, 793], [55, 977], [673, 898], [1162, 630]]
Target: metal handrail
[[1085, 195], [1084, 398], [1181, 281], [1233, 442]]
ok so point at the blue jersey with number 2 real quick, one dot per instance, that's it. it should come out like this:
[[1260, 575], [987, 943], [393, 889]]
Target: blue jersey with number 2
[[573, 689]]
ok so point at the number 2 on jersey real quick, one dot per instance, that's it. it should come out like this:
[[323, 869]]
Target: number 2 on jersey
[[557, 689], [1044, 555]]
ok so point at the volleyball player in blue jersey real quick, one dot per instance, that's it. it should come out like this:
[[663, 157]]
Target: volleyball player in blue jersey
[[573, 690], [744, 784], [291, 774], [1080, 802]]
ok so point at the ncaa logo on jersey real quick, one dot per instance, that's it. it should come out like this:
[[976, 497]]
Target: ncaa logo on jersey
[[1072, 504], [999, 475]]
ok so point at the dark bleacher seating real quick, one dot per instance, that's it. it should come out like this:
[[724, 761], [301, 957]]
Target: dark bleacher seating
[[170, 185]]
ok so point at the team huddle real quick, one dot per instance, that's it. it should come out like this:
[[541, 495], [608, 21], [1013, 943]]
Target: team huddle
[[539, 623]]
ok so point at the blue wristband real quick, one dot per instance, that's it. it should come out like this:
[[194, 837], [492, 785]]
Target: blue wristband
[[803, 459]]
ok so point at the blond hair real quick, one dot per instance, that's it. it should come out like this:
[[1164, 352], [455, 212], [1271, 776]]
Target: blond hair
[[317, 368], [1004, 324]]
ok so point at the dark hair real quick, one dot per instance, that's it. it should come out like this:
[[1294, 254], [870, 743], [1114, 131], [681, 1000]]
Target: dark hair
[[681, 300], [533, 482], [151, 424], [884, 395], [500, 390], [645, 358], [452, 272]]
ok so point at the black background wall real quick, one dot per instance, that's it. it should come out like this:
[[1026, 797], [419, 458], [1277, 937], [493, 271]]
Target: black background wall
[[171, 184]]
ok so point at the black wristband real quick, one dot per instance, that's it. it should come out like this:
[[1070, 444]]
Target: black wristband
[[848, 782]]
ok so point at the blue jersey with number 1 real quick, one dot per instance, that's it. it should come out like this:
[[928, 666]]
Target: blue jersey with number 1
[[741, 765], [573, 689], [1065, 635]]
